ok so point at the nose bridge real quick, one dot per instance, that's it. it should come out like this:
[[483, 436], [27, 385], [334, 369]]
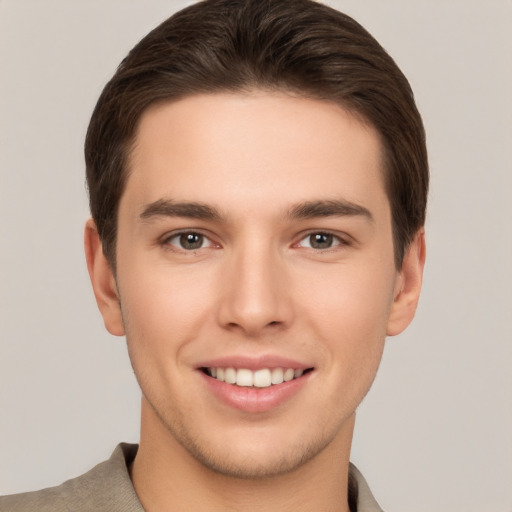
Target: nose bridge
[[254, 288]]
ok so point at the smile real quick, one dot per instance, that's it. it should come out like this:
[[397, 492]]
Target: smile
[[262, 378]]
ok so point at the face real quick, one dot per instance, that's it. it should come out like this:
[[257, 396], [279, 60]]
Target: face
[[255, 276]]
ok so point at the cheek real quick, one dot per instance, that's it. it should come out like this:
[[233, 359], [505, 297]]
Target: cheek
[[163, 310], [348, 308], [162, 318]]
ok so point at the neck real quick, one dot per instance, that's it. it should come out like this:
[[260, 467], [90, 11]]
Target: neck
[[167, 477]]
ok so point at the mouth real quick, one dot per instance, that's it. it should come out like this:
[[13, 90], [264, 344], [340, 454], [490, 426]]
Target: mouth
[[261, 378]]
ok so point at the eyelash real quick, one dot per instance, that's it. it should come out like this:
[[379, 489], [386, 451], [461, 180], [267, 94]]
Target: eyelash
[[337, 240], [166, 242]]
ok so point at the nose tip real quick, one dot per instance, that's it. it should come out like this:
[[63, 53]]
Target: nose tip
[[254, 321], [255, 299]]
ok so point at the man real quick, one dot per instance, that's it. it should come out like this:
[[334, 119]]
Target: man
[[258, 178]]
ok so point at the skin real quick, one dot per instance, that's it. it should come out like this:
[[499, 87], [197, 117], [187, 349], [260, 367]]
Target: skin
[[257, 286]]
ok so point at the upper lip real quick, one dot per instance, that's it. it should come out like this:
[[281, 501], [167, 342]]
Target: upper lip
[[254, 363]]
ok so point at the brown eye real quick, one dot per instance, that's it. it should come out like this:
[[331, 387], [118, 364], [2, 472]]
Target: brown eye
[[191, 241], [321, 241], [188, 241]]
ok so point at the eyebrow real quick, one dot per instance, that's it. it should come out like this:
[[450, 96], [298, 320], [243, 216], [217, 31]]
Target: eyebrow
[[300, 211], [329, 208], [170, 208]]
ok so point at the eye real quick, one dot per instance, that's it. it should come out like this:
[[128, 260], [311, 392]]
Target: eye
[[320, 240], [189, 241]]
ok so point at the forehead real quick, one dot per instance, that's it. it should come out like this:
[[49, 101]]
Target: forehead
[[249, 148]]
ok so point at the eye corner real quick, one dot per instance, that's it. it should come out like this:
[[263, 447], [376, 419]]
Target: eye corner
[[320, 240], [188, 241]]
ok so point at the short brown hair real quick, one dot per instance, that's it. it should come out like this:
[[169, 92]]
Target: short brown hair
[[298, 46]]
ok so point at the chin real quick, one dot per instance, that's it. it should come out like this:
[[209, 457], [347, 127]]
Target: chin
[[255, 463], [255, 453]]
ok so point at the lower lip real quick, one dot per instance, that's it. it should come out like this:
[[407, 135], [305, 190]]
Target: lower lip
[[252, 399]]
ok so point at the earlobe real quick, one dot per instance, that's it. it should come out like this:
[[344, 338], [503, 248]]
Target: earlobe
[[408, 286], [102, 280]]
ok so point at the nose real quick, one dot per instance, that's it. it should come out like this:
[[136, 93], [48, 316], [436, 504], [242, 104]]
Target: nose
[[254, 297]]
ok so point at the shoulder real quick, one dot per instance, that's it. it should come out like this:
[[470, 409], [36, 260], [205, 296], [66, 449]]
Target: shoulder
[[106, 487], [360, 496]]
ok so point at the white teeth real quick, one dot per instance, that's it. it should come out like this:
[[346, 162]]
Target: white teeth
[[262, 378], [230, 375], [244, 377], [288, 374], [277, 376]]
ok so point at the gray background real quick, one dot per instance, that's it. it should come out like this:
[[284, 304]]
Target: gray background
[[435, 433]]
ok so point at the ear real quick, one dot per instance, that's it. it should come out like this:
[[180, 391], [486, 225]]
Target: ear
[[103, 281], [408, 286]]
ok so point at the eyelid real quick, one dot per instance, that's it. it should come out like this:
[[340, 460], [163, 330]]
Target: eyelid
[[343, 239], [164, 240]]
